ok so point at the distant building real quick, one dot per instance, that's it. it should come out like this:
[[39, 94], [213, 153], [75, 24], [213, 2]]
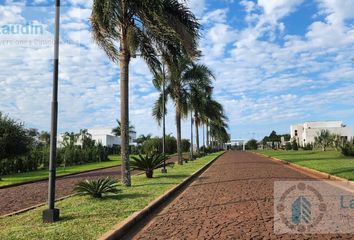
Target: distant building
[[103, 136], [305, 133]]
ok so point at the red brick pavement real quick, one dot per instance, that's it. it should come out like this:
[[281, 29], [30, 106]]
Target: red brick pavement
[[233, 199]]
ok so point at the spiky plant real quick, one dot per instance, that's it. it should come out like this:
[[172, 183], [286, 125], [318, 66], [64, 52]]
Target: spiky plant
[[96, 188], [148, 163]]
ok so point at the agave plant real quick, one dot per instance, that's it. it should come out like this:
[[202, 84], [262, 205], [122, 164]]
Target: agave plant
[[148, 163], [96, 188]]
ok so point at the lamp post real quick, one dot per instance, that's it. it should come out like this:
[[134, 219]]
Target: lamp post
[[164, 170], [52, 214]]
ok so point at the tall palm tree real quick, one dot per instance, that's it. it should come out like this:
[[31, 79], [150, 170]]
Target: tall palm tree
[[183, 75], [124, 27], [199, 94]]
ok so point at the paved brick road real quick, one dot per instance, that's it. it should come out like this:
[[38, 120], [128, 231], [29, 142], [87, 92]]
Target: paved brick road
[[232, 200], [16, 198]]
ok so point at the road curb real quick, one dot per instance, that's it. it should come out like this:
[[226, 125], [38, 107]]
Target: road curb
[[307, 170], [34, 207], [57, 177], [121, 229]]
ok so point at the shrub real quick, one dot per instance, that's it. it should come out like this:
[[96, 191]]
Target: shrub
[[308, 147], [186, 145], [148, 163], [252, 144], [348, 150], [295, 146], [288, 146], [96, 188], [154, 145]]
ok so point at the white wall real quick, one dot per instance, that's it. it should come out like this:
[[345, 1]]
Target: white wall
[[309, 130]]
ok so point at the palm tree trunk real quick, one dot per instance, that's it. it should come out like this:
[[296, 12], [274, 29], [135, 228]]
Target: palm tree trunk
[[197, 132], [179, 141], [207, 133], [124, 59], [204, 135]]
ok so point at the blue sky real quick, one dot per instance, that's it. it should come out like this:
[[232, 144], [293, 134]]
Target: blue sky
[[277, 62]]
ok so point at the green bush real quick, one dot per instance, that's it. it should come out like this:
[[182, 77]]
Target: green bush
[[308, 147], [288, 146], [295, 146], [348, 150], [186, 145], [154, 145], [96, 188], [148, 163], [252, 144]]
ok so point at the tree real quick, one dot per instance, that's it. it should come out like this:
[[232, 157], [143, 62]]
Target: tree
[[15, 140], [252, 144], [45, 137], [117, 130], [324, 139], [198, 95], [143, 26], [182, 74], [142, 138]]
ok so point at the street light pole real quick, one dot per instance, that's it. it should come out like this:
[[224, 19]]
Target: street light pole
[[164, 170], [52, 214]]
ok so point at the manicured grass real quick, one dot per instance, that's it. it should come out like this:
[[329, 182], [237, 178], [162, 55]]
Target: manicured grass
[[86, 218], [43, 174], [331, 162]]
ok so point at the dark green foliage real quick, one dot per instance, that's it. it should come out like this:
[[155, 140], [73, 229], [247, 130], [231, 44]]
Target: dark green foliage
[[308, 147], [154, 145], [96, 188], [348, 150], [27, 150], [148, 163], [252, 144], [288, 146], [295, 146], [185, 145]]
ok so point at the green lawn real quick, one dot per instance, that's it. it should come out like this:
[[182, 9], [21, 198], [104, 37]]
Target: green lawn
[[86, 218], [331, 162], [43, 174]]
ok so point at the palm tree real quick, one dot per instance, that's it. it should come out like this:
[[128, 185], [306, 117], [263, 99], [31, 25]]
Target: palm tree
[[117, 130], [198, 96], [183, 75], [141, 25]]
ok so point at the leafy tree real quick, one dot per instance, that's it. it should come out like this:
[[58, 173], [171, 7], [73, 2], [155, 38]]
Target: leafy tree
[[45, 137], [185, 145], [252, 144], [14, 139], [143, 26], [324, 139]]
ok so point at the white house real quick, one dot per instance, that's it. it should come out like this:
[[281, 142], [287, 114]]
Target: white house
[[104, 136], [107, 138], [305, 133]]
